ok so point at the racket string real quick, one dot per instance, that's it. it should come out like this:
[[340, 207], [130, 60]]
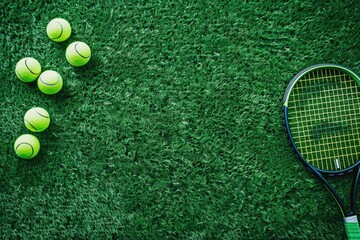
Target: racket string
[[324, 119]]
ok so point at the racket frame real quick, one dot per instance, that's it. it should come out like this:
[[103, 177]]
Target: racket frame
[[286, 121], [319, 173]]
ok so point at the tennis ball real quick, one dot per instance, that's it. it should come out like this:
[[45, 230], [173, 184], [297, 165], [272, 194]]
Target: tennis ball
[[37, 119], [28, 69], [50, 82], [58, 30], [27, 146], [78, 53]]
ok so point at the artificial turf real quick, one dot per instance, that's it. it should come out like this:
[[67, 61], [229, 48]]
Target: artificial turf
[[173, 130]]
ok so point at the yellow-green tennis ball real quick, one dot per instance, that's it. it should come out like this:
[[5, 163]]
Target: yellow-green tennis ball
[[28, 69], [50, 82], [27, 146], [78, 53], [58, 30], [37, 119]]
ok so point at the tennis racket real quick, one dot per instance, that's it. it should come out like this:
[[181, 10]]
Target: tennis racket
[[322, 122]]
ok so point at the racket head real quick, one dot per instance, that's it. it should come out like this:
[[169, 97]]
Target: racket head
[[322, 118]]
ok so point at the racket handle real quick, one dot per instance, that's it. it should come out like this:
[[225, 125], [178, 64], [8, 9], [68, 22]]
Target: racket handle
[[352, 227]]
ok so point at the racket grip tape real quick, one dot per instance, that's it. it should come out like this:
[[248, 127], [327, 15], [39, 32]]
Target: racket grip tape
[[352, 227]]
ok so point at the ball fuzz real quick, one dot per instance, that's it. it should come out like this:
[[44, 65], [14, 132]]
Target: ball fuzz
[[50, 82], [27, 146], [28, 69], [78, 53], [37, 119], [58, 30]]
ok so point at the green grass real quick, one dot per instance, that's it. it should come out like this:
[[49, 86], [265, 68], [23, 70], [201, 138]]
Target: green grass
[[174, 128]]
